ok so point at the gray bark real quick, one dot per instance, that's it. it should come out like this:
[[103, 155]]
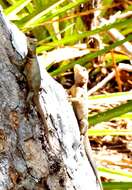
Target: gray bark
[[27, 161]]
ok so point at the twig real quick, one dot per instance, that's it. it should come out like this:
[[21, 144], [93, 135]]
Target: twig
[[115, 34], [117, 72], [122, 66]]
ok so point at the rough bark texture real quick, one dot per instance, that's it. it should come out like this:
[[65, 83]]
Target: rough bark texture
[[27, 161]]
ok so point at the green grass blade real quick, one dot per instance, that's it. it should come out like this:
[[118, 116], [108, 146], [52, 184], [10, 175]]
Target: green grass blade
[[125, 116], [115, 172], [109, 114], [112, 132], [117, 185], [61, 31], [74, 38], [49, 14], [15, 8], [118, 58], [108, 98], [36, 16], [90, 56]]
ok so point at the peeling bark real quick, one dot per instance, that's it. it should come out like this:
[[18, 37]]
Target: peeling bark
[[27, 161]]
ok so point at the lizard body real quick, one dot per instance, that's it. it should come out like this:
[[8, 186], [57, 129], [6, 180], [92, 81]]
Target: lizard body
[[80, 105], [33, 77]]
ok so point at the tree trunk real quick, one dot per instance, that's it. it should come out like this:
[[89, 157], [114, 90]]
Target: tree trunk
[[27, 160]]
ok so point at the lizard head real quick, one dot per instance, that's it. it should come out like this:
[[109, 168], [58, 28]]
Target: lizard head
[[80, 75]]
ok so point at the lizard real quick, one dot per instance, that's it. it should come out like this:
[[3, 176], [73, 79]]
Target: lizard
[[26, 63], [33, 78], [80, 105]]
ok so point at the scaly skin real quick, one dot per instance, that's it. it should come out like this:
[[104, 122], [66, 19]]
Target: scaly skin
[[33, 77], [79, 101]]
